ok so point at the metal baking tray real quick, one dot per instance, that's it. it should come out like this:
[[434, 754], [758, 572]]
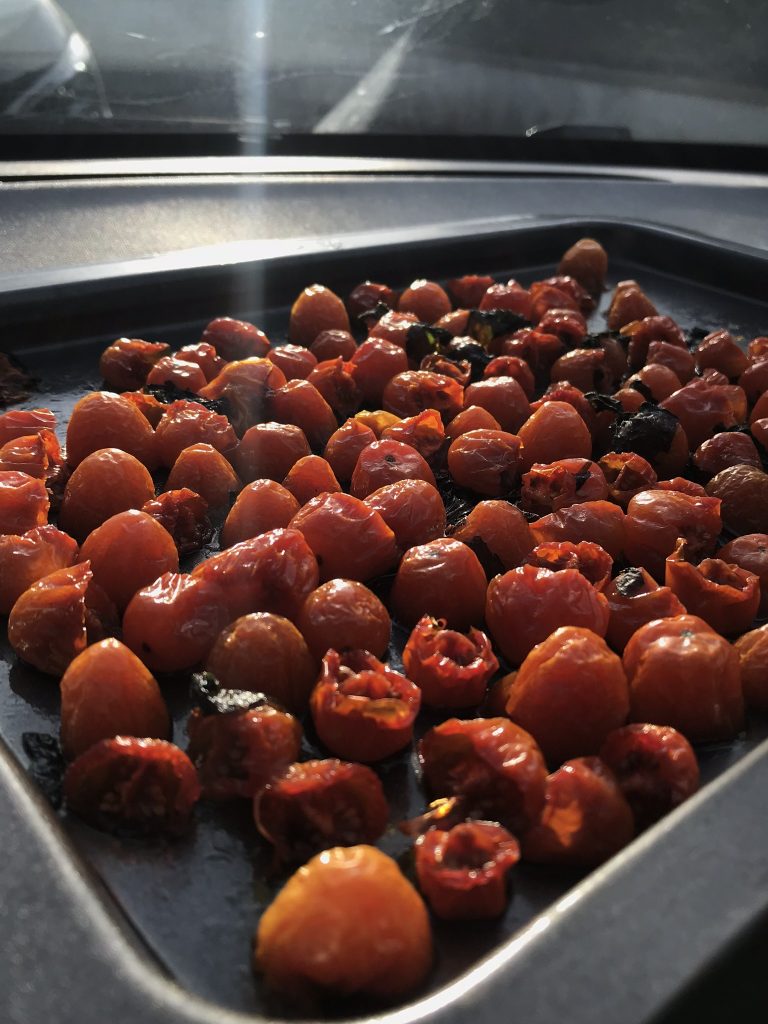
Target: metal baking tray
[[95, 928]]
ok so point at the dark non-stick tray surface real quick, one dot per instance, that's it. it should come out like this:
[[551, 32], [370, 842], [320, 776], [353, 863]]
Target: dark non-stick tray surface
[[196, 902]]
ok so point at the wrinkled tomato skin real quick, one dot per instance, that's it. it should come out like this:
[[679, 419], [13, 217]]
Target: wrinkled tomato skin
[[587, 261], [467, 292], [743, 491], [628, 304], [38, 455], [648, 331], [752, 649], [316, 309], [509, 296], [656, 518], [548, 488], [367, 296], [570, 692], [103, 420], [22, 422], [462, 872], [678, 360], [634, 598], [24, 502], [150, 408], [493, 764], [204, 470], [546, 297], [592, 561], [142, 785], [655, 767], [498, 533], [682, 674], [237, 754], [750, 552], [701, 408], [601, 522], [332, 345], [412, 509], [526, 605], [681, 485], [378, 421], [426, 300], [125, 364], [182, 513], [263, 651], [206, 357], [127, 552], [451, 669], [725, 596], [570, 326], [185, 424], [349, 539], [536, 347], [503, 398], [317, 804], [512, 366], [335, 380], [584, 368], [46, 627], [654, 379], [472, 418], [586, 818], [172, 623], [309, 477], [300, 403], [235, 339], [553, 432], [424, 432], [344, 448], [28, 558], [485, 461], [376, 362], [720, 351], [269, 450], [181, 373], [343, 614], [246, 385], [311, 936], [295, 361], [363, 710], [106, 691], [410, 393], [394, 327], [261, 506], [442, 578], [105, 483], [273, 572], [626, 474], [385, 462]]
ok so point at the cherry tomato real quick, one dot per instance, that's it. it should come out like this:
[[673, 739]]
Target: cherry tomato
[[424, 432], [385, 462], [511, 296], [628, 304], [626, 475], [269, 450], [493, 765], [681, 673], [442, 578], [125, 363], [344, 447], [743, 492], [468, 291], [725, 596], [150, 408], [300, 403], [701, 408], [682, 486], [105, 483], [592, 561], [103, 420], [462, 872], [317, 309], [394, 327], [720, 351], [367, 296], [545, 297], [656, 518], [548, 488], [332, 345], [412, 509], [600, 522], [376, 361], [335, 380], [246, 385], [569, 325], [409, 393], [47, 624], [182, 513], [498, 533], [678, 359], [426, 300], [555, 431], [513, 366], [655, 767], [752, 649], [537, 348], [142, 785], [344, 614], [750, 552], [22, 422], [187, 423], [178, 372], [587, 261], [28, 558], [106, 691], [503, 398], [261, 506], [583, 368], [377, 421], [235, 339], [318, 804], [295, 361], [309, 477], [571, 286], [563, 391], [38, 455], [206, 357], [655, 382], [472, 418], [634, 598], [485, 461], [451, 669], [202, 469], [24, 502]]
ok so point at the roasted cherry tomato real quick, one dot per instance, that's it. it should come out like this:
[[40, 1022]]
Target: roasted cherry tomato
[[503, 398], [600, 522], [378, 421], [182, 513], [295, 361], [451, 669], [106, 482], [24, 502], [499, 535], [125, 363], [424, 432], [724, 595], [442, 578], [511, 296], [626, 475], [628, 304], [316, 309], [426, 300], [513, 366], [47, 624], [555, 431], [103, 420], [410, 393], [245, 385], [412, 509], [592, 561], [335, 380], [485, 461], [743, 492], [655, 768], [587, 261], [300, 403], [261, 506], [38, 455], [385, 462], [491, 764], [463, 872], [344, 614], [22, 422], [385, 952], [135, 785], [657, 518], [367, 296], [178, 372], [655, 382], [235, 339], [750, 552], [150, 408], [720, 351], [634, 598], [269, 450], [678, 359], [309, 477], [204, 470], [564, 392], [376, 361], [724, 450], [471, 418], [752, 649], [585, 820], [333, 344], [702, 409], [106, 691], [344, 448], [206, 357], [362, 709], [317, 804], [27, 558], [468, 291], [548, 488], [681, 673], [189, 423]]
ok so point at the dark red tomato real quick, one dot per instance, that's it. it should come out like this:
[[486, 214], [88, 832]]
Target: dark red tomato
[[362, 709], [269, 450], [724, 450], [592, 561], [471, 418], [548, 488], [24, 502], [103, 420], [343, 614], [553, 432], [349, 539], [682, 673], [385, 462], [701, 409], [412, 509], [261, 506], [678, 360], [309, 477], [587, 261], [182, 513], [655, 382], [527, 604], [493, 765], [125, 363], [235, 339], [377, 361], [655, 519], [273, 572], [344, 448], [442, 578], [598, 521], [426, 300], [335, 380], [27, 558], [510, 296], [655, 768], [202, 469], [513, 366], [424, 432], [106, 691], [571, 286], [752, 649], [720, 351], [206, 357], [567, 324], [626, 475], [138, 785], [300, 403], [485, 461], [586, 818], [317, 309], [105, 483], [319, 804], [295, 361], [498, 533], [462, 872], [451, 669], [503, 398], [409, 393], [236, 753], [333, 345], [22, 422], [628, 305], [187, 423], [368, 296], [634, 598], [724, 595], [178, 372], [750, 552], [536, 347], [545, 297], [467, 292], [743, 491], [394, 327]]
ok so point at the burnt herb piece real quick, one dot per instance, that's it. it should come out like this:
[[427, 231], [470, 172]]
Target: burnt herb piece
[[603, 403], [169, 393], [647, 432], [46, 763], [458, 503], [629, 582], [372, 316], [642, 387], [423, 339], [581, 477], [485, 324], [16, 384], [213, 699], [470, 352], [697, 334]]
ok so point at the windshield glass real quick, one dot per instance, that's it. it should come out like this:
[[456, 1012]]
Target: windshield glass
[[690, 72]]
